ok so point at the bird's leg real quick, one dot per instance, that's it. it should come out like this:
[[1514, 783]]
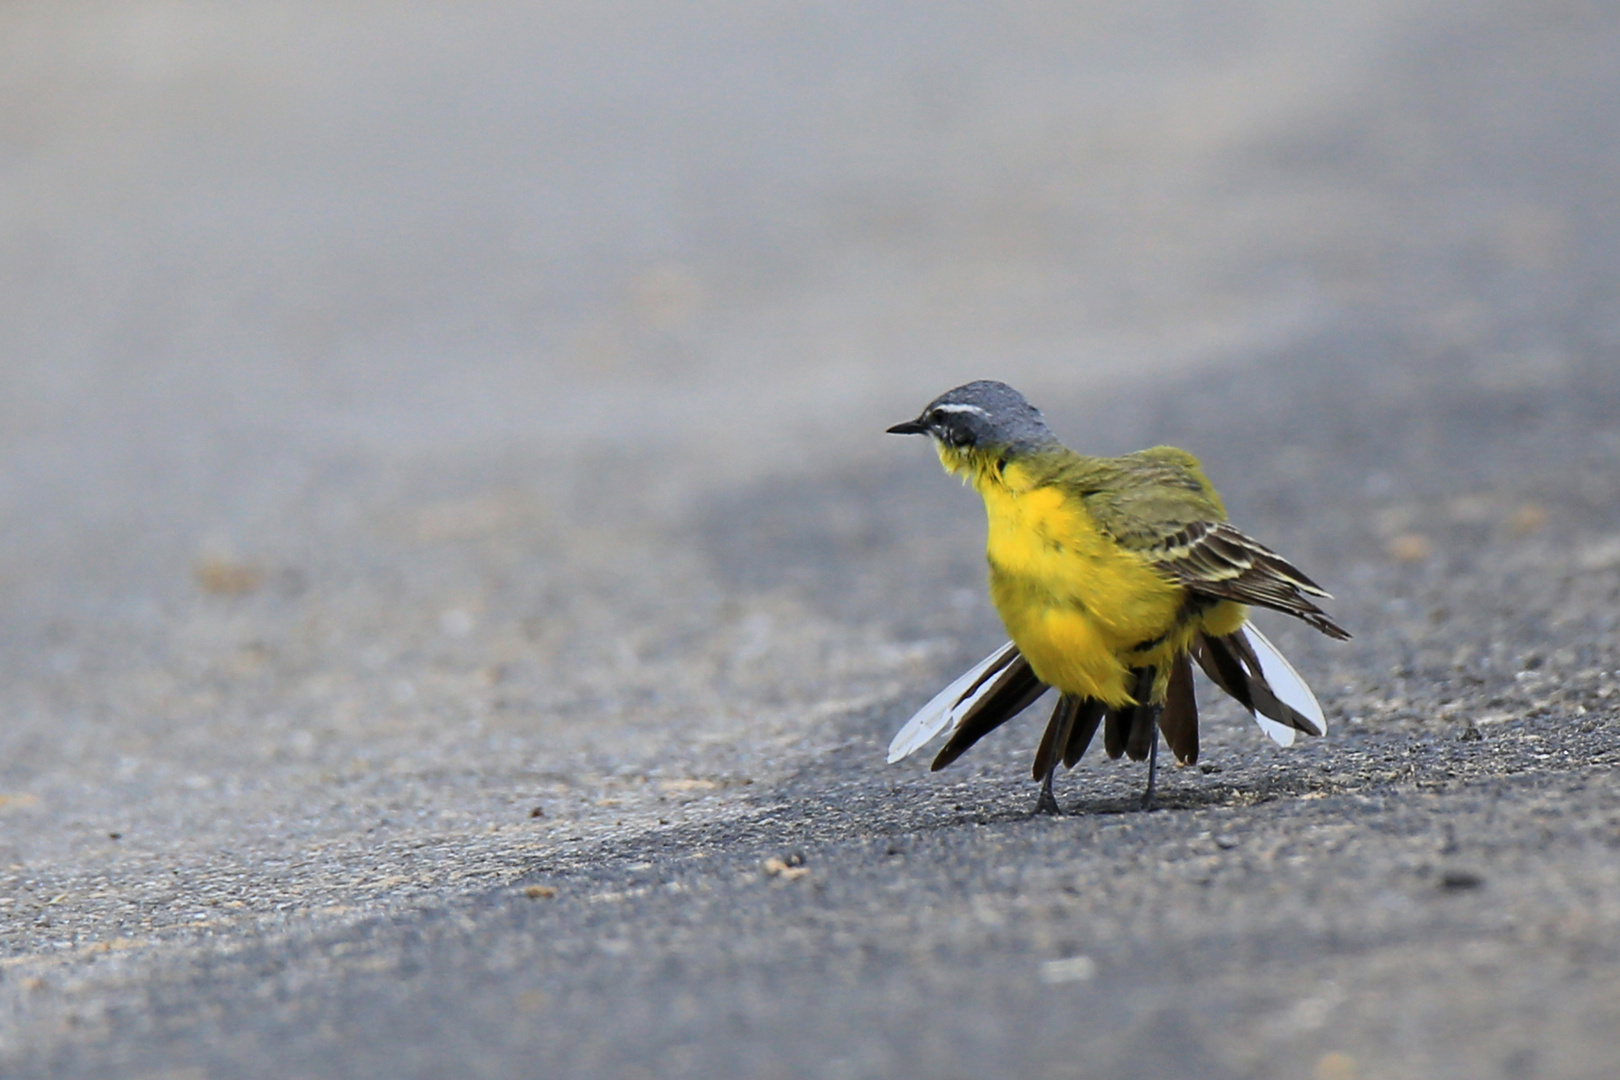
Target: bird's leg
[[1048, 804], [1153, 768]]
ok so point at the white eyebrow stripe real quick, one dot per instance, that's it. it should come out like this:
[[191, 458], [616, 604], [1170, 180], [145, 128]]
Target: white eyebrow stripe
[[959, 408]]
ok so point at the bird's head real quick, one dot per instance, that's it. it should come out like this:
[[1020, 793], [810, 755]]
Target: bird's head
[[981, 420]]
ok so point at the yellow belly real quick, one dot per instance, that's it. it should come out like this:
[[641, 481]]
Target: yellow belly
[[1081, 608]]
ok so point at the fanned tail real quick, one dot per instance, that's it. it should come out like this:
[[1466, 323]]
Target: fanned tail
[[1244, 663]]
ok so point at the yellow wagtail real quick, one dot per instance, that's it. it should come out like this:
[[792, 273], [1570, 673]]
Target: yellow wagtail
[[1109, 574]]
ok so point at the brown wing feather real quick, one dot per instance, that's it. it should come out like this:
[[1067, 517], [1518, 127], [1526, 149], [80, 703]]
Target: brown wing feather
[[1214, 559]]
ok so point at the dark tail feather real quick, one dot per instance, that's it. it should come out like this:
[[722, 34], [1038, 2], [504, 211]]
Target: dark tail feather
[[1144, 729], [1231, 665], [1056, 737], [1179, 720], [1088, 714], [1014, 689], [1129, 729], [1117, 729], [1215, 657]]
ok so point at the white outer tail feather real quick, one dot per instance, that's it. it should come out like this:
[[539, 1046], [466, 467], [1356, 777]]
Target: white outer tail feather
[[945, 707], [1287, 684], [1281, 734]]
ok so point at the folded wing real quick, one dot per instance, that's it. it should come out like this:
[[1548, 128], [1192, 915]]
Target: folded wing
[[1212, 558]]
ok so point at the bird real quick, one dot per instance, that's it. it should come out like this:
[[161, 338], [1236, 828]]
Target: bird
[[1112, 576]]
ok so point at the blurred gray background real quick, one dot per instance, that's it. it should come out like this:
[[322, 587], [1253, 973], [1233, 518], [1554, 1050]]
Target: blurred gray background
[[440, 458]]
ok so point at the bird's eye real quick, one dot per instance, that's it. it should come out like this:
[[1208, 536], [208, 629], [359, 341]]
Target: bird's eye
[[936, 417]]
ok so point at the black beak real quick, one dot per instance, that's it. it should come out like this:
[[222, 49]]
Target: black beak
[[910, 427]]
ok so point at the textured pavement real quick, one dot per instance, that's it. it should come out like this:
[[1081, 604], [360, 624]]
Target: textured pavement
[[455, 593]]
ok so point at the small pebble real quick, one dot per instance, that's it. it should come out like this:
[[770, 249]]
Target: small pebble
[[1336, 1066], [786, 869], [1070, 969], [1460, 880], [1410, 547], [227, 577]]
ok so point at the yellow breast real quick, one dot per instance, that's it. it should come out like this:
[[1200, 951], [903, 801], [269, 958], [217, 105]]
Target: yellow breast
[[1074, 600]]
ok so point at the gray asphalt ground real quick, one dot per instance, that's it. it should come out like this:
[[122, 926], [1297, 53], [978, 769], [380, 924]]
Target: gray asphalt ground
[[454, 595]]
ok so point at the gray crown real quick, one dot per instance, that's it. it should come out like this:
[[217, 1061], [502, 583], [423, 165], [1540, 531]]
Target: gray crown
[[983, 414]]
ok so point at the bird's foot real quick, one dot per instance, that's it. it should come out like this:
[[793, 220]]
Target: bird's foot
[[1047, 803]]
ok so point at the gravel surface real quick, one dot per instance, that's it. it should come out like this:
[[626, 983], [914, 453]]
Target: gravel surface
[[456, 595]]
